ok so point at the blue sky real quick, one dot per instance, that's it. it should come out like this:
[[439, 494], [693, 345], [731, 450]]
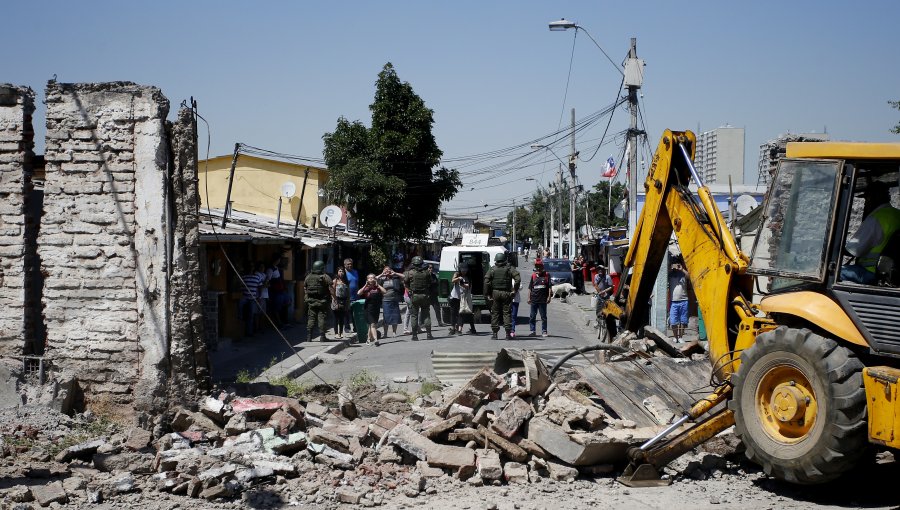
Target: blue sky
[[277, 75]]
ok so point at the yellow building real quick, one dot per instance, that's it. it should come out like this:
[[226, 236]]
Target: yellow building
[[258, 185]]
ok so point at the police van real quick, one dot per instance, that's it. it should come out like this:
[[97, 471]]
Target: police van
[[479, 257]]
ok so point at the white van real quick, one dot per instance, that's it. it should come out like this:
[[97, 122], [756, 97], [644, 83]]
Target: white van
[[479, 259]]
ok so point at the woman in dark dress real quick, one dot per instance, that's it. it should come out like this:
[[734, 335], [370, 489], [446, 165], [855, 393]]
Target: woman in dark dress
[[373, 294]]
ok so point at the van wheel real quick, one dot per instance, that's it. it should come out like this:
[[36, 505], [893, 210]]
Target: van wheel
[[800, 406]]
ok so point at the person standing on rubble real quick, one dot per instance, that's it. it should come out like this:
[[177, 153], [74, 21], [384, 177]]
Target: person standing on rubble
[[499, 284], [418, 281], [678, 310], [317, 287]]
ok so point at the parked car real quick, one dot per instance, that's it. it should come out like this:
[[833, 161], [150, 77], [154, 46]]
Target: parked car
[[560, 271]]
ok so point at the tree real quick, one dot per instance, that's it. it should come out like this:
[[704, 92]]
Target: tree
[[895, 104], [387, 174], [602, 209]]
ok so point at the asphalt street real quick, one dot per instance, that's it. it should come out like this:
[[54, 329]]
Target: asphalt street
[[399, 357]]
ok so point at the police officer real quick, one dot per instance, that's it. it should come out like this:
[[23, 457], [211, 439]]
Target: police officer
[[317, 286], [418, 280], [500, 285]]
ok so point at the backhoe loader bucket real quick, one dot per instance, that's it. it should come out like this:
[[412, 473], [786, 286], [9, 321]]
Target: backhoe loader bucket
[[642, 475]]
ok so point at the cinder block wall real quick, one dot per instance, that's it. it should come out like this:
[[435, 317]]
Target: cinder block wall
[[16, 153], [102, 240]]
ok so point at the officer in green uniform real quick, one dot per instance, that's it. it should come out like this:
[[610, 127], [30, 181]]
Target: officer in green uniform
[[418, 280], [500, 285], [317, 286]]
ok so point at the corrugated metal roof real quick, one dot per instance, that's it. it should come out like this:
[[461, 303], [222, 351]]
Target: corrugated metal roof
[[244, 226], [455, 368]]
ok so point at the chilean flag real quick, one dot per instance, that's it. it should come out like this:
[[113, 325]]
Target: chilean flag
[[610, 168]]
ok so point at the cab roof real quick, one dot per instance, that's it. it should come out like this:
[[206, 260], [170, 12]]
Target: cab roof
[[843, 150]]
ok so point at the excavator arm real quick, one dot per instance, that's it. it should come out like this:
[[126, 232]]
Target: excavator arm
[[716, 268], [715, 265]]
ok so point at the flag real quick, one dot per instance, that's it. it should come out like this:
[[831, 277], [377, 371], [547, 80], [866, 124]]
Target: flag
[[610, 168]]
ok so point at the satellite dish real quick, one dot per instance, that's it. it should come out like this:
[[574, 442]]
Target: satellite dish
[[619, 211], [288, 189], [744, 204], [331, 216]]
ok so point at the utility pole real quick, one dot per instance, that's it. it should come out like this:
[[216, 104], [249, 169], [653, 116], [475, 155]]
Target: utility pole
[[573, 157], [515, 247], [559, 189], [634, 77], [549, 244]]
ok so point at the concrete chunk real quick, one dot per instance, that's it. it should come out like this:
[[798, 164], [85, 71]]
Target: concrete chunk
[[512, 417], [384, 423], [448, 456], [561, 472], [488, 464], [54, 492], [577, 449], [474, 391], [537, 377], [440, 428], [410, 441], [515, 472], [84, 450], [317, 435], [255, 408]]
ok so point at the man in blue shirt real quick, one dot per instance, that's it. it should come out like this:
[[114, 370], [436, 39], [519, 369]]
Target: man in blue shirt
[[353, 283]]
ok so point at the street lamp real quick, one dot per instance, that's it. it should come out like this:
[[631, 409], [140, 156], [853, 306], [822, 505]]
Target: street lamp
[[633, 76]]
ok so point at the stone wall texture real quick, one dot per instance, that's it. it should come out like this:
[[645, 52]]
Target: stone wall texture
[[16, 153], [102, 242]]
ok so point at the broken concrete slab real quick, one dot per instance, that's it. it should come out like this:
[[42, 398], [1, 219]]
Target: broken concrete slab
[[410, 441], [214, 409], [512, 417], [53, 492], [487, 462], [575, 449], [384, 423], [537, 377], [473, 391], [255, 408], [84, 450], [561, 472], [138, 439], [438, 429], [317, 435], [515, 472]]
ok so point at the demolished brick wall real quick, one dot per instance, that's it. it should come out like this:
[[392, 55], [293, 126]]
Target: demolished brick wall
[[187, 351], [16, 154], [102, 242]]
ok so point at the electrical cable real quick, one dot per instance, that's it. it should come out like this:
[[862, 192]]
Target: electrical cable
[[296, 353]]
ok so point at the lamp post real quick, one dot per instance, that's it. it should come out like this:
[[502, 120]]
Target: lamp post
[[633, 77]]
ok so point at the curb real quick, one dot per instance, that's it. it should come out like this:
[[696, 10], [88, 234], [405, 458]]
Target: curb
[[291, 367]]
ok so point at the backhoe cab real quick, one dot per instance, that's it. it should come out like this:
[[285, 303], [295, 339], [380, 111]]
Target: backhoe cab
[[809, 375]]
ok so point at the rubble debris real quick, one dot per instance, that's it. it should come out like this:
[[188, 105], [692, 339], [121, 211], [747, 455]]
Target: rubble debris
[[490, 431]]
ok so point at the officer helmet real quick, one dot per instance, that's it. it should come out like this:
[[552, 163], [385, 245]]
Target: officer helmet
[[417, 261], [500, 257], [318, 266]]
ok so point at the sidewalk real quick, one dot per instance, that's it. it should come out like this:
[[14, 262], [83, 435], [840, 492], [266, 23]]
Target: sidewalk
[[266, 350]]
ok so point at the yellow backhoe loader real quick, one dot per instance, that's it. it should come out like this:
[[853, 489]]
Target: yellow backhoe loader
[[809, 375]]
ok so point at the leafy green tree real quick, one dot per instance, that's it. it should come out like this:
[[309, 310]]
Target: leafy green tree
[[601, 214], [388, 174], [895, 104]]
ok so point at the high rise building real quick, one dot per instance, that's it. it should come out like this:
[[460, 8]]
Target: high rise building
[[720, 154]]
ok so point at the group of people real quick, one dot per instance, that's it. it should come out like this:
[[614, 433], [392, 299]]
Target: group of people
[[381, 294], [264, 289]]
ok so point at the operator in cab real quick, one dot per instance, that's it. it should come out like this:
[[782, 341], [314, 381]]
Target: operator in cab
[[867, 243]]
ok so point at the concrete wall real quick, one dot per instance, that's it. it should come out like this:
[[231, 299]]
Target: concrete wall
[[102, 239], [16, 145]]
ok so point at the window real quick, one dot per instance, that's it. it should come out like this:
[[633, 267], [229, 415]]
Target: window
[[799, 213]]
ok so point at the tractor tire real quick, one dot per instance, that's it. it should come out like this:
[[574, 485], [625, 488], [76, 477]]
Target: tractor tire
[[800, 406]]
